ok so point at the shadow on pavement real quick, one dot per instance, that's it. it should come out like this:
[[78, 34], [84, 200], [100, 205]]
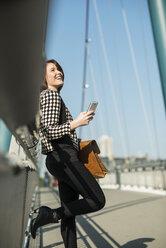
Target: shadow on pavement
[[53, 245], [61, 244], [125, 205], [99, 236], [50, 227], [96, 234], [137, 243]]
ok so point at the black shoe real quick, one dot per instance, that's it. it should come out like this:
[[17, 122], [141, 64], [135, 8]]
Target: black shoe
[[46, 215]]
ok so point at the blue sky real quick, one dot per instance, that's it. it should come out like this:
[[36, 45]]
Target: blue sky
[[136, 127]]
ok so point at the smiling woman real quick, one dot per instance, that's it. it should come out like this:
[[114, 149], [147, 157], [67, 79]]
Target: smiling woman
[[60, 144], [54, 75]]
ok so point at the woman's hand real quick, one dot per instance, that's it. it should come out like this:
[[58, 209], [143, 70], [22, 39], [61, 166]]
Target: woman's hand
[[83, 119]]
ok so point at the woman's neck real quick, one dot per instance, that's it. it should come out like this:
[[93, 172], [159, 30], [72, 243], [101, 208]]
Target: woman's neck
[[52, 88]]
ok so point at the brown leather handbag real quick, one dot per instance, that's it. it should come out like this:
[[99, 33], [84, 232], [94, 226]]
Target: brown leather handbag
[[88, 155]]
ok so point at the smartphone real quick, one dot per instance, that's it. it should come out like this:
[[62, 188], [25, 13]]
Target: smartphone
[[92, 106]]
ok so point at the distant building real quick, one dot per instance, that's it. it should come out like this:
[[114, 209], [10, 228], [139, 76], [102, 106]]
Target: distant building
[[106, 146]]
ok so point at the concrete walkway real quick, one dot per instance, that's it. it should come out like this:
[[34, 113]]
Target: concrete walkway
[[128, 220]]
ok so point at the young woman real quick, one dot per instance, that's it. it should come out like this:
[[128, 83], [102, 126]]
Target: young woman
[[60, 144]]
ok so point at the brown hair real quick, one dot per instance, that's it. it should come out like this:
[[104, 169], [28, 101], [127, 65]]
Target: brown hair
[[44, 84]]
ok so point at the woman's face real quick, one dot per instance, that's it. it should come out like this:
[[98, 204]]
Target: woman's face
[[53, 76]]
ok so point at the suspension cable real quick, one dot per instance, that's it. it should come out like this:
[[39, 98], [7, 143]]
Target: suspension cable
[[96, 93], [85, 60], [104, 101], [112, 23], [137, 77], [149, 81], [110, 78]]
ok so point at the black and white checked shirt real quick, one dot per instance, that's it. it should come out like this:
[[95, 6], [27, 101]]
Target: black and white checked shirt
[[50, 129]]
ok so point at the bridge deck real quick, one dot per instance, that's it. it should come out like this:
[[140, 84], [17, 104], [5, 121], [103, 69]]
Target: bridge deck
[[128, 220]]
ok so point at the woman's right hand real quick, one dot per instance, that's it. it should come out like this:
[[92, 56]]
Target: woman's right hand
[[83, 119]]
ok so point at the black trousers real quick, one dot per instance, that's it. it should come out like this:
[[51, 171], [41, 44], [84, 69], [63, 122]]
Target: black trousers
[[73, 179]]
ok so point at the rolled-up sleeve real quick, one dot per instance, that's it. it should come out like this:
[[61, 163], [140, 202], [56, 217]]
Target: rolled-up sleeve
[[50, 104]]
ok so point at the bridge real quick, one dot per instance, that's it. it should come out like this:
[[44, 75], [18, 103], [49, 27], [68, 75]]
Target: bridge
[[129, 220], [134, 214]]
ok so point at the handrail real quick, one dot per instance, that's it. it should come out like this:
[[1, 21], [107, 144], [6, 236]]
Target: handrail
[[137, 165]]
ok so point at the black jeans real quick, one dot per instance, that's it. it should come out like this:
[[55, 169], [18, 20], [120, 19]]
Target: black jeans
[[73, 179]]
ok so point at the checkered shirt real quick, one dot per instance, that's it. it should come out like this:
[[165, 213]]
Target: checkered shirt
[[50, 129]]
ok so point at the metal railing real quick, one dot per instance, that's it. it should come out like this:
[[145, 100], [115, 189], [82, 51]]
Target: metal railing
[[150, 174], [23, 28]]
